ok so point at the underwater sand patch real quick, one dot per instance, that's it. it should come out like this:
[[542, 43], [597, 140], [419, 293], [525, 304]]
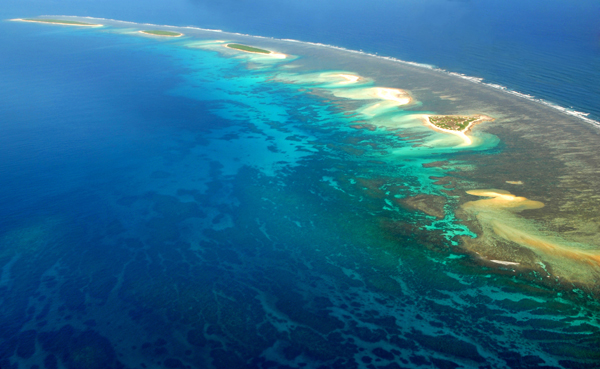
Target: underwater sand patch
[[325, 80]]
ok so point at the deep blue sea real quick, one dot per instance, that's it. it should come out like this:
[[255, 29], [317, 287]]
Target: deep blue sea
[[165, 204]]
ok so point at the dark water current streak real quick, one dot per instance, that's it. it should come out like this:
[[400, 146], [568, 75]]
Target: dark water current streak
[[132, 235]]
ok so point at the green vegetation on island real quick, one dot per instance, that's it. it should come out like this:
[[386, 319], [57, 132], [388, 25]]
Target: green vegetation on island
[[452, 122], [60, 21], [249, 49], [163, 33]]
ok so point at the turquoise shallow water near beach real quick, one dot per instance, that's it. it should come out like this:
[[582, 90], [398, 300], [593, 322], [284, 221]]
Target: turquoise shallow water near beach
[[175, 204]]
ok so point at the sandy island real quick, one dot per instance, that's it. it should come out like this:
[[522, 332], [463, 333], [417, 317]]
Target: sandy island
[[162, 33], [58, 21], [249, 49], [462, 133]]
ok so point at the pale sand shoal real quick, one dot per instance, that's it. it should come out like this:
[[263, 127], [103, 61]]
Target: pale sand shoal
[[350, 78], [504, 262], [395, 95], [152, 34], [57, 23], [497, 214], [500, 199]]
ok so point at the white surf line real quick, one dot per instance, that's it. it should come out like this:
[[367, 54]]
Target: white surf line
[[478, 80]]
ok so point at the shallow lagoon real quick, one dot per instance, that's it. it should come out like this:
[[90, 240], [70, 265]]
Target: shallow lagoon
[[218, 208]]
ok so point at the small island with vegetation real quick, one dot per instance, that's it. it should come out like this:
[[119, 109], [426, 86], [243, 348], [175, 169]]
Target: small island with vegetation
[[452, 122], [156, 32], [58, 21], [459, 123], [248, 49]]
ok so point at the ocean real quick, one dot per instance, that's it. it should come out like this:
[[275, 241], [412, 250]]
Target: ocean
[[551, 52], [169, 202]]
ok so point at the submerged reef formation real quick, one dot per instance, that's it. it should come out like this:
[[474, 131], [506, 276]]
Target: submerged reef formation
[[497, 215], [387, 110], [391, 111], [429, 204], [273, 211]]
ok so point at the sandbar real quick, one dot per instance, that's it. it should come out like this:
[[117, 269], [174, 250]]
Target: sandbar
[[547, 246], [350, 78], [324, 80], [500, 199], [497, 214], [58, 21], [395, 95], [504, 262]]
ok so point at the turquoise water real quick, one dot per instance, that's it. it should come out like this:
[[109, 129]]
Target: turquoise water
[[170, 203]]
